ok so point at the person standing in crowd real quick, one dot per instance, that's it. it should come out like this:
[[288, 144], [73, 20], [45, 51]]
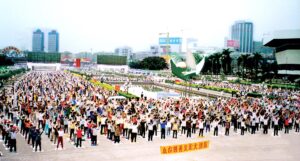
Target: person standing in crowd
[[201, 127], [143, 128], [31, 136], [60, 138], [276, 126], [72, 128], [94, 135], [265, 125], [189, 128], [79, 137], [117, 133], [125, 129], [27, 128], [130, 125], [169, 126], [54, 135], [134, 131], [163, 125], [50, 124], [112, 131], [286, 125], [175, 129], [103, 123], [194, 123], [243, 127], [183, 126], [66, 125], [207, 125], [150, 131], [227, 128], [38, 139], [215, 125], [109, 126], [13, 140], [235, 124], [253, 126]]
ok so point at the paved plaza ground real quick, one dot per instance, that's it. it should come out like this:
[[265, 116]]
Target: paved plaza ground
[[258, 147]]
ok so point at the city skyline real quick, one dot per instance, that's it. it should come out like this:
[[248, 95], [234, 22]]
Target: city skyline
[[104, 26]]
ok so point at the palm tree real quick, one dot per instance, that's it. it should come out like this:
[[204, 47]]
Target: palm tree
[[216, 57], [226, 61], [257, 57], [239, 63], [244, 58]]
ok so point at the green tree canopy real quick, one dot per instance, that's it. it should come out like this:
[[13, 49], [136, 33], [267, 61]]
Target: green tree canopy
[[150, 63]]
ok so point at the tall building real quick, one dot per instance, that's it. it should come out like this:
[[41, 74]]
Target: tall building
[[53, 41], [38, 41], [242, 32]]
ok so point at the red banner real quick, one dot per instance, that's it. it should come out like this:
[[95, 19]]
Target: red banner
[[232, 43], [77, 63]]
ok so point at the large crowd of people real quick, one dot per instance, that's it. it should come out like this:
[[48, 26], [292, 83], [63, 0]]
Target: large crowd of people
[[59, 103]]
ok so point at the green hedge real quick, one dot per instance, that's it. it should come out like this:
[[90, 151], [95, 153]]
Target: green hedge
[[285, 86], [253, 94], [11, 73], [169, 81], [88, 77], [104, 85], [127, 95]]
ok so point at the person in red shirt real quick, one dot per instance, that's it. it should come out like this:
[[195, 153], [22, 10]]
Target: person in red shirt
[[79, 137], [286, 125]]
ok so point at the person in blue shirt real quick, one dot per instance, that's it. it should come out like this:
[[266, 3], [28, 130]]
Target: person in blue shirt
[[163, 125]]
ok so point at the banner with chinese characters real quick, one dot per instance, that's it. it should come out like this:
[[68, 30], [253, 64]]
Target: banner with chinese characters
[[180, 148]]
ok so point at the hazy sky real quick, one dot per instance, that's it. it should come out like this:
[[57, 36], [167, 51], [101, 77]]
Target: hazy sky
[[102, 25]]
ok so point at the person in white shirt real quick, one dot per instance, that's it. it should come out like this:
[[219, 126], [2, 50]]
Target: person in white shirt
[[169, 125], [215, 125], [243, 126], [60, 138], [103, 122], [94, 136], [201, 127], [265, 122], [275, 120], [150, 130], [183, 126], [134, 132]]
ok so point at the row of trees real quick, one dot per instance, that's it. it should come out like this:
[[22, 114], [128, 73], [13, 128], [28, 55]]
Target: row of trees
[[251, 66], [150, 63]]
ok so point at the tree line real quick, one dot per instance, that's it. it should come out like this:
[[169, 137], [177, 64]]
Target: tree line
[[251, 66]]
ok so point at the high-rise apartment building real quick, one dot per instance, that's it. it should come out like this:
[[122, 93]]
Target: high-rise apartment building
[[242, 32], [53, 41], [38, 41]]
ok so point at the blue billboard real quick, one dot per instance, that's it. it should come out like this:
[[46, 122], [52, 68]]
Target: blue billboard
[[172, 40]]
